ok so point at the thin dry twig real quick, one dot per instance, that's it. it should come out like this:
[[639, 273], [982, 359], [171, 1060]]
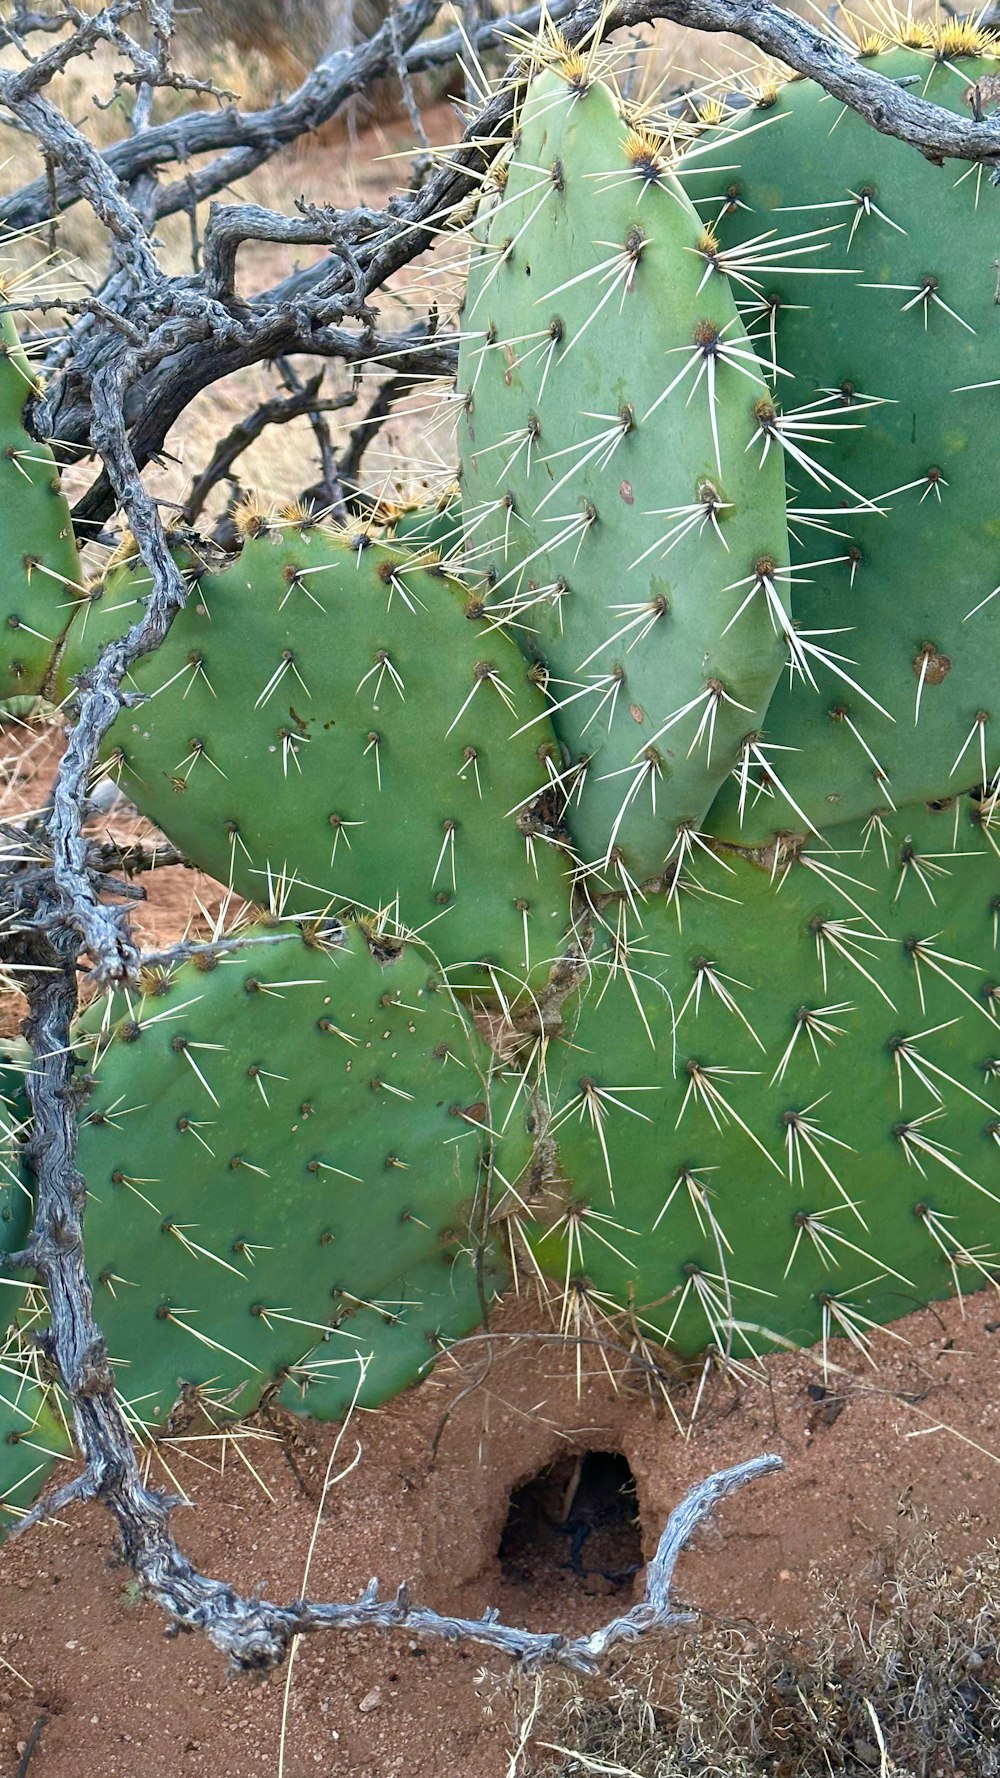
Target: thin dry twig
[[275, 412]]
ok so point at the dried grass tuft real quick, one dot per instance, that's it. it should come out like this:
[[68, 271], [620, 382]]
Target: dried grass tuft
[[903, 1685]]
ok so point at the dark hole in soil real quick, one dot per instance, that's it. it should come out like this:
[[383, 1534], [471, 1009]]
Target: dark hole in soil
[[578, 1519]]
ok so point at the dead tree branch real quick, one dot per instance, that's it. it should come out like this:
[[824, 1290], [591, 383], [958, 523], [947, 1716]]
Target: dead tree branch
[[255, 1634], [244, 140]]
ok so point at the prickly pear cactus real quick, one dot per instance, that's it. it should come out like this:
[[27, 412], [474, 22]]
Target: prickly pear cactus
[[607, 486], [34, 1432], [890, 353], [41, 575], [771, 1111], [782, 1116], [292, 1158], [331, 723]]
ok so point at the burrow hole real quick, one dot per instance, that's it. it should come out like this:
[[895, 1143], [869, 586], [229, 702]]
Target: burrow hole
[[576, 1521]]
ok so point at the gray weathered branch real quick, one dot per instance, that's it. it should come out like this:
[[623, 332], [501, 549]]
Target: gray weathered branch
[[254, 137], [254, 1633]]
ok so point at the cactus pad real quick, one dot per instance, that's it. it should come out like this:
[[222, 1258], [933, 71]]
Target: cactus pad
[[787, 1113], [332, 726], [290, 1159], [891, 390], [41, 569], [607, 488], [32, 1435]]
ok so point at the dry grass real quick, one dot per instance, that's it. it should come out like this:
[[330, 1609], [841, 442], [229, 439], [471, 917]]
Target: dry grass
[[904, 1683]]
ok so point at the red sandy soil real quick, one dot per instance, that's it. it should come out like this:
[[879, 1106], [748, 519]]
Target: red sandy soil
[[120, 1701]]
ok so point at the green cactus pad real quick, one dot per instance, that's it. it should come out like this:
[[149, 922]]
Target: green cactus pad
[[909, 598], [607, 488], [728, 1112], [437, 528], [332, 725], [288, 1158], [41, 568], [32, 1435]]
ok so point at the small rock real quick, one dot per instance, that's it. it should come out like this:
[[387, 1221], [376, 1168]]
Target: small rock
[[372, 1699]]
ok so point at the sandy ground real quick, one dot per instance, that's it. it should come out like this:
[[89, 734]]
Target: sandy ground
[[119, 1701]]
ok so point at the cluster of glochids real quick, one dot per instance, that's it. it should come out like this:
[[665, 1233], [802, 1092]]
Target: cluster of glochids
[[667, 746]]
